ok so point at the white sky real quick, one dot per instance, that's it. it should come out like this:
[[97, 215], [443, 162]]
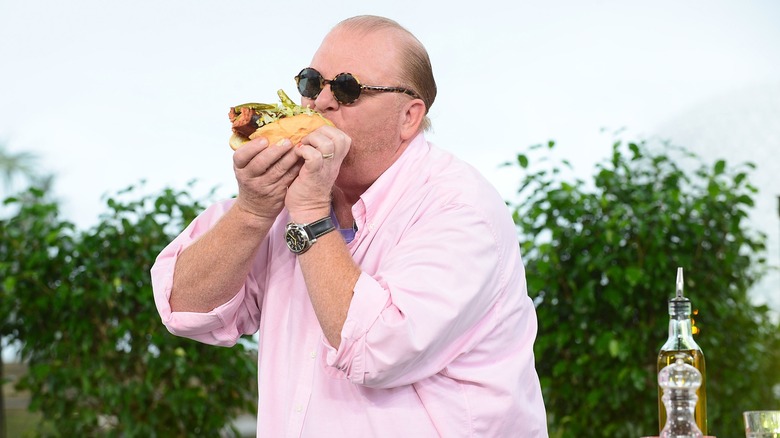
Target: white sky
[[108, 93]]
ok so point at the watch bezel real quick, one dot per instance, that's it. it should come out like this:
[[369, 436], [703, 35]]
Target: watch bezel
[[302, 240], [307, 234]]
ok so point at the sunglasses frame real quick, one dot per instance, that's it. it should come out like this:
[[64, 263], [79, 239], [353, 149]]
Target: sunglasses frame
[[361, 87]]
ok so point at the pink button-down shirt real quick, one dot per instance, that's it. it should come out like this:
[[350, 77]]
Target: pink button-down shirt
[[438, 340]]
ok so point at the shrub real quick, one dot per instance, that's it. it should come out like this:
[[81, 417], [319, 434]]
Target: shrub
[[601, 264], [100, 361]]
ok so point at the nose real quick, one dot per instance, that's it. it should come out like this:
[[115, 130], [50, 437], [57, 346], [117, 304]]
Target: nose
[[325, 101]]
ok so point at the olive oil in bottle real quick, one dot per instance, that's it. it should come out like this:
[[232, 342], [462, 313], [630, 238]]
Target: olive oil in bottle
[[681, 344]]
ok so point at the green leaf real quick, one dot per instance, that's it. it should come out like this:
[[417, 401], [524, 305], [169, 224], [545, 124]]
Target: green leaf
[[601, 259], [522, 160], [614, 347], [633, 275], [720, 166], [95, 352]]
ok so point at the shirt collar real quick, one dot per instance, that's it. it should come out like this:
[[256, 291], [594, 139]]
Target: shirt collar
[[393, 181]]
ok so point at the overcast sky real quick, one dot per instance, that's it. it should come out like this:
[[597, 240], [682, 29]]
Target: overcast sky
[[108, 93]]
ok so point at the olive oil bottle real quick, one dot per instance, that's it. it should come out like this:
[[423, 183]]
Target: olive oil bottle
[[681, 344]]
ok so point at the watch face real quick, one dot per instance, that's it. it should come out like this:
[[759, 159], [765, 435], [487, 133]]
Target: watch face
[[297, 239]]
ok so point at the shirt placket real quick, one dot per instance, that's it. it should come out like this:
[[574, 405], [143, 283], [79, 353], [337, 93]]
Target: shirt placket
[[303, 388]]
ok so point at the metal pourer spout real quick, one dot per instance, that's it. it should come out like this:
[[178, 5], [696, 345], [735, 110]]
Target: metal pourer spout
[[679, 306], [679, 294]]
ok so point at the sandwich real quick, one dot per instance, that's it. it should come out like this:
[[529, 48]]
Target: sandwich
[[275, 122]]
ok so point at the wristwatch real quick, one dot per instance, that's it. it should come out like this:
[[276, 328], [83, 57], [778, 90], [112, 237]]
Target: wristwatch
[[300, 237]]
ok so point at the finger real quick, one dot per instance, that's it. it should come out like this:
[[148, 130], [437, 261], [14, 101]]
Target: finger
[[328, 131], [243, 155], [260, 147], [291, 174], [329, 140], [319, 140], [322, 147], [259, 160], [289, 164], [310, 154]]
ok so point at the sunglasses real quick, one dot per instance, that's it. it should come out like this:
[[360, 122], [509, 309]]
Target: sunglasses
[[345, 86]]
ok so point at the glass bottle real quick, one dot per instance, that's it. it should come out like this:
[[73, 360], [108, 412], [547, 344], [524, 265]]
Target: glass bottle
[[680, 344], [679, 382]]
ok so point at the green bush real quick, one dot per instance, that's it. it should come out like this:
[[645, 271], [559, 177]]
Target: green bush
[[601, 264], [100, 361]]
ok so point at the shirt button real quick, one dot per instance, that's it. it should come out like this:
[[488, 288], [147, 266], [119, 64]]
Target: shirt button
[[313, 354], [298, 408]]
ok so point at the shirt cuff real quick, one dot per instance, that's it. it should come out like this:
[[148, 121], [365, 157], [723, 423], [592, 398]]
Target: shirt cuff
[[368, 302], [210, 327]]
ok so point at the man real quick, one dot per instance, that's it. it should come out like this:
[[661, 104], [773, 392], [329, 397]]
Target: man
[[413, 319]]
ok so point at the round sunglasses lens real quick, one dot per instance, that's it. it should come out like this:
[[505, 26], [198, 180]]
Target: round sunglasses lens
[[345, 88], [309, 83]]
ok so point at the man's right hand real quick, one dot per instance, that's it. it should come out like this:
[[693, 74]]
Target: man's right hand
[[263, 173], [207, 276]]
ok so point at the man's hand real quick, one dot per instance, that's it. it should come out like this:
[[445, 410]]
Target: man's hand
[[322, 151], [206, 275], [263, 173]]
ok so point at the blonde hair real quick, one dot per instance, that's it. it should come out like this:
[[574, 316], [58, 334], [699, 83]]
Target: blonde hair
[[416, 70]]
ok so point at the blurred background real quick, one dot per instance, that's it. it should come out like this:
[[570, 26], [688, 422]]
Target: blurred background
[[106, 94]]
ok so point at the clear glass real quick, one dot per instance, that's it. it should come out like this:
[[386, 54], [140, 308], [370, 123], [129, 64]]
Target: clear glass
[[679, 382], [762, 424], [681, 343]]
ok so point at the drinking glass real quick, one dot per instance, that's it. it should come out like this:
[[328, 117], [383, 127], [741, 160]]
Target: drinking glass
[[762, 424]]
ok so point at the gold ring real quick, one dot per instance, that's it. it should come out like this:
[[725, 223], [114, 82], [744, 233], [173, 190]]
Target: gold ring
[[326, 156]]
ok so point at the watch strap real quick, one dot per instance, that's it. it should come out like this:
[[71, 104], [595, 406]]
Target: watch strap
[[320, 228]]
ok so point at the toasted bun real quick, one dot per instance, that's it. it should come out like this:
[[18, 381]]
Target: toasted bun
[[237, 140], [294, 128]]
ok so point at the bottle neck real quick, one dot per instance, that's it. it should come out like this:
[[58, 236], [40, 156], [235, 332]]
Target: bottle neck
[[680, 334]]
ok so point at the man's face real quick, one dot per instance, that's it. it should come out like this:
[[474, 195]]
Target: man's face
[[374, 120]]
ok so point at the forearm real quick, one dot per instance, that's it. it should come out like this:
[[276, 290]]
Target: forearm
[[328, 269], [213, 269], [330, 275]]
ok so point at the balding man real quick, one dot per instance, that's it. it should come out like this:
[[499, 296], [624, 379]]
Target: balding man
[[382, 274]]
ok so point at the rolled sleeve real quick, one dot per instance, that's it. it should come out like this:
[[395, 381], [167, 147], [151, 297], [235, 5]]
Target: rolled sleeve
[[425, 306], [223, 325], [215, 327], [367, 304]]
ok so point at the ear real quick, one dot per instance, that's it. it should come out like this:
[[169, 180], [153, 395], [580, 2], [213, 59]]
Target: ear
[[411, 118]]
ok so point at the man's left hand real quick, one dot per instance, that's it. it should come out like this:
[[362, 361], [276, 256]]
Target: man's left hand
[[309, 196]]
